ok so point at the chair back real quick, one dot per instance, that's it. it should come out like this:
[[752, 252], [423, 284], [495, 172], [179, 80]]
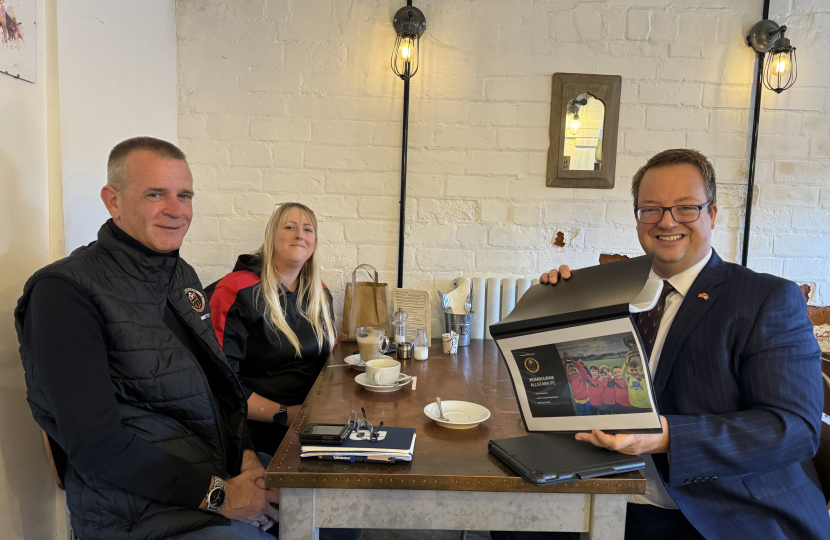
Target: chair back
[[57, 459], [822, 457]]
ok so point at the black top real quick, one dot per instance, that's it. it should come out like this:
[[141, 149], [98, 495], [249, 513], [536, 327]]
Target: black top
[[265, 361], [74, 368]]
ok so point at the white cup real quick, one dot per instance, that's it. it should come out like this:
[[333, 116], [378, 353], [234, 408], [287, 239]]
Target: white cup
[[383, 371], [450, 343]]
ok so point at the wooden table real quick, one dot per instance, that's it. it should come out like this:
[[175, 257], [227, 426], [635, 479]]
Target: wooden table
[[453, 482]]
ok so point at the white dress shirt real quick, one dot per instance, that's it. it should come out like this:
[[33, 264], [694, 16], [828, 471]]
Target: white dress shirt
[[656, 493]]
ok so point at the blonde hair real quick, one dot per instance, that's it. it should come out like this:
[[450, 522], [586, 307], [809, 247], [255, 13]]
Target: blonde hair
[[312, 303]]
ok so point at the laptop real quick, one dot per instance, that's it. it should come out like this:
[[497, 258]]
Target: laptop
[[577, 363]]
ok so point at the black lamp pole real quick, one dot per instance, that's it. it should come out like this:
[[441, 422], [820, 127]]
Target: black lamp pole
[[409, 23], [753, 150], [765, 37], [404, 143]]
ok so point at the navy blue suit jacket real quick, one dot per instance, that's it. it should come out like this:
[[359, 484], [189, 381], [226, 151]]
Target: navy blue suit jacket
[[739, 381]]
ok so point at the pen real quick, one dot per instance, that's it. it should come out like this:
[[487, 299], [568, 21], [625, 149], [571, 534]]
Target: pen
[[358, 459]]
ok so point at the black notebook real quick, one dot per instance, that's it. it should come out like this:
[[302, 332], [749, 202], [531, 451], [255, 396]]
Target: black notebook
[[392, 442], [552, 458]]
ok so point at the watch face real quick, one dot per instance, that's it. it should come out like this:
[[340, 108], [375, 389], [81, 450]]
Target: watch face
[[217, 498]]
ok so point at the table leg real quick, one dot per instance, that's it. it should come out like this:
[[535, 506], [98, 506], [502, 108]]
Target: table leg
[[297, 514], [607, 518]]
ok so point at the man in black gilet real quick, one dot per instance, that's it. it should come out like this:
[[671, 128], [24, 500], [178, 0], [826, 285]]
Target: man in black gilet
[[125, 374]]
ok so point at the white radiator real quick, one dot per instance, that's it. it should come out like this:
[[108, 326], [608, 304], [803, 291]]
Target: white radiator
[[493, 299]]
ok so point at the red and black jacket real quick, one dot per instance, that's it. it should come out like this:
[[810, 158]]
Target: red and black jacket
[[265, 361]]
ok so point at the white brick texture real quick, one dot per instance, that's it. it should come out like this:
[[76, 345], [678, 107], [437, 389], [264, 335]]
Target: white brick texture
[[282, 101]]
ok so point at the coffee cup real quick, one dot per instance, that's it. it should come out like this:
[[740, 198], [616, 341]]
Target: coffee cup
[[383, 371], [371, 342], [450, 343]]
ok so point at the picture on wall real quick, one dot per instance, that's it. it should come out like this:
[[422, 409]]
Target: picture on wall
[[18, 40]]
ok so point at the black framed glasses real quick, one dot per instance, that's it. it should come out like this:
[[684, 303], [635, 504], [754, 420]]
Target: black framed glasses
[[356, 424], [682, 213]]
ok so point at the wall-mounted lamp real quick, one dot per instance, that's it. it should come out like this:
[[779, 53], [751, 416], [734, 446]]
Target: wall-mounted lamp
[[781, 69], [778, 74], [409, 23]]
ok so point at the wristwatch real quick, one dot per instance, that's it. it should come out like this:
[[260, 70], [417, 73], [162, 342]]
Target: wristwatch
[[282, 416], [216, 496]]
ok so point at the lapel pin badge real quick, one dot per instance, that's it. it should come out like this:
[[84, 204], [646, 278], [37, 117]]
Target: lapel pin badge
[[704, 296]]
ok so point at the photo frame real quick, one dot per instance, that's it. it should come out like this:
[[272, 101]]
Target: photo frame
[[547, 378]]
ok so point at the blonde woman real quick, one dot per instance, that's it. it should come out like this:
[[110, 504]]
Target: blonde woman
[[274, 320]]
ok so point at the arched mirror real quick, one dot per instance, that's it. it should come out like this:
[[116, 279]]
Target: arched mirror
[[585, 113]]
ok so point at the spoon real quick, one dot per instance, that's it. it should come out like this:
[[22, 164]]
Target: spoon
[[440, 412], [445, 302]]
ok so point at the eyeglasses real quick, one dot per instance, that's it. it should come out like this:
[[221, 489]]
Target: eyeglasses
[[356, 424], [683, 213]]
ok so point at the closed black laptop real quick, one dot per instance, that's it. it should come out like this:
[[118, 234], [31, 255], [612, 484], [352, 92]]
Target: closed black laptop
[[551, 458]]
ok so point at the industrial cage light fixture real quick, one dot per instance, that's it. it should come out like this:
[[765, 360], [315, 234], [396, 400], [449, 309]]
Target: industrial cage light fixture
[[409, 23], [781, 69]]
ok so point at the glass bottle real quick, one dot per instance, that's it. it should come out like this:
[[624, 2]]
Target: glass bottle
[[420, 347], [399, 323]]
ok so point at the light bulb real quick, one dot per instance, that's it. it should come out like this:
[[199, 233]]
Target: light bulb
[[781, 65], [406, 50], [574, 125]]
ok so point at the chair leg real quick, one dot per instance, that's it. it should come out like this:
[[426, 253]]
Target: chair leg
[[463, 535]]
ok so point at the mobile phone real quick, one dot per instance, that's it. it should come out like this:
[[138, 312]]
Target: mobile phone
[[332, 434]]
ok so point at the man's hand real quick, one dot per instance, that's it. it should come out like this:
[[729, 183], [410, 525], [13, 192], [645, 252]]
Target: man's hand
[[247, 500], [553, 276], [251, 462], [631, 445]]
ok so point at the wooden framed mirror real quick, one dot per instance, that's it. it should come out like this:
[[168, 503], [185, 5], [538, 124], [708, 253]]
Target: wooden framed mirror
[[584, 120]]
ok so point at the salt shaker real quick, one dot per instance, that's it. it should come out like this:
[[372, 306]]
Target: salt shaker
[[399, 323], [420, 347]]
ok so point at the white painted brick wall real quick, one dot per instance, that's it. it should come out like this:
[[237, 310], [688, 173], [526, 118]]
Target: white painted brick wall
[[283, 101]]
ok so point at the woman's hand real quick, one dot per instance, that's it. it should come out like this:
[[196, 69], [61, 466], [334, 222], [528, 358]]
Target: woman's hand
[[293, 411]]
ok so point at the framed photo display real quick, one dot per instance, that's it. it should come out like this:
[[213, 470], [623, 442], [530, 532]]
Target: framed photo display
[[574, 353]]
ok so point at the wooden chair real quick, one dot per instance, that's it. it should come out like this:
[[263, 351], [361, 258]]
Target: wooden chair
[[822, 457], [57, 459], [58, 462]]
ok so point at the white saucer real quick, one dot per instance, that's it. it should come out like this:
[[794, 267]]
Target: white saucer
[[363, 380], [358, 364], [459, 414]]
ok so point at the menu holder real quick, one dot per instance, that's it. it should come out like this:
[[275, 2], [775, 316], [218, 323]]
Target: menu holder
[[575, 357], [416, 304]]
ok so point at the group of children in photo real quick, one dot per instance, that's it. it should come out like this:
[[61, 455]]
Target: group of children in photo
[[619, 389]]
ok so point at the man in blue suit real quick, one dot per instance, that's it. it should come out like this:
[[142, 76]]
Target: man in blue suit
[[736, 372]]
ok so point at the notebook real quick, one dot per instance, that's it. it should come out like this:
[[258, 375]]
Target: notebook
[[552, 458], [392, 444]]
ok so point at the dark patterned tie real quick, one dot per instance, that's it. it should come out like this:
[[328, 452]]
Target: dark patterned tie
[[648, 322]]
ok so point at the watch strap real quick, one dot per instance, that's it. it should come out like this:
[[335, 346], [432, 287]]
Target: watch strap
[[218, 484], [281, 417]]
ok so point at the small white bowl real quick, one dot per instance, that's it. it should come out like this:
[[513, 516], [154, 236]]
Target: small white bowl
[[358, 364], [458, 414]]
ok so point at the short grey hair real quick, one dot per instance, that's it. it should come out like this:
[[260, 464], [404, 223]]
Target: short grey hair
[[117, 176], [675, 157]]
